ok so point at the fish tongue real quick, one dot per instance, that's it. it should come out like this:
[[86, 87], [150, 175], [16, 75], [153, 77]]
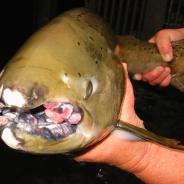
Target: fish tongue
[[60, 112], [55, 116]]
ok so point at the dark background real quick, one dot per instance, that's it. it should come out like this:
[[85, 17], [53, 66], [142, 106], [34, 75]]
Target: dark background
[[161, 109]]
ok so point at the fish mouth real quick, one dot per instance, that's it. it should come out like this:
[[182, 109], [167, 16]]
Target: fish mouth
[[50, 121]]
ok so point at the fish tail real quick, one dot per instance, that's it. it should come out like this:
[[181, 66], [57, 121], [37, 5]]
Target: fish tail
[[149, 136]]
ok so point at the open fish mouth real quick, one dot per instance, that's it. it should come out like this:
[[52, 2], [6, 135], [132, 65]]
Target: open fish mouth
[[51, 121]]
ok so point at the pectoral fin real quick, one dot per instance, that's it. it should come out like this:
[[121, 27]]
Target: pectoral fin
[[149, 136]]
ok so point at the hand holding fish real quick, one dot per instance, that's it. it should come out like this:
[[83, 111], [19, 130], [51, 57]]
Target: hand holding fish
[[146, 160], [161, 75], [163, 40], [145, 61]]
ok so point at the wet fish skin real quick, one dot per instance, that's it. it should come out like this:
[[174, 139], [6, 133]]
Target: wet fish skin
[[142, 56], [72, 58]]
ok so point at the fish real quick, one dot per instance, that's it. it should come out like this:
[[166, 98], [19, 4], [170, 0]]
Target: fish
[[63, 89], [142, 56]]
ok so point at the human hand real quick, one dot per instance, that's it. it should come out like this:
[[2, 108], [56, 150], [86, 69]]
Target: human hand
[[109, 150], [150, 162], [162, 75]]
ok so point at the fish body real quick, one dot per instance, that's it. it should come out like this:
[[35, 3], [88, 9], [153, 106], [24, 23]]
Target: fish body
[[142, 56], [62, 91]]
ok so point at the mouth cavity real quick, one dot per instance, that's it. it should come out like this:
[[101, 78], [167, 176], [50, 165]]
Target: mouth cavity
[[51, 121]]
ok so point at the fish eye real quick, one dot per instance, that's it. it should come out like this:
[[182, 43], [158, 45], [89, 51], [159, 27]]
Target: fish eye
[[89, 90]]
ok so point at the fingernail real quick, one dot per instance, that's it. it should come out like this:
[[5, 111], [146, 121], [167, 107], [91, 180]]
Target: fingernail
[[137, 77], [167, 57]]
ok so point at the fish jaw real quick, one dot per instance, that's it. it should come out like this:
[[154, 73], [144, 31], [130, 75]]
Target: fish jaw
[[43, 132]]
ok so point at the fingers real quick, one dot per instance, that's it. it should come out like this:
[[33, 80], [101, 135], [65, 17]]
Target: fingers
[[151, 75], [163, 41], [165, 48], [163, 79], [138, 76], [166, 81], [152, 40], [159, 76]]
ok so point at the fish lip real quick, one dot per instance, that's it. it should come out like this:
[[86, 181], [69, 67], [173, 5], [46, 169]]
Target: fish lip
[[39, 124]]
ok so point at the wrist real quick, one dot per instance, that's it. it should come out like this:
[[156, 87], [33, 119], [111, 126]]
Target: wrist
[[132, 156], [130, 153], [162, 165]]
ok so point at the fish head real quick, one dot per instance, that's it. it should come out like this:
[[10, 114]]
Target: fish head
[[61, 92]]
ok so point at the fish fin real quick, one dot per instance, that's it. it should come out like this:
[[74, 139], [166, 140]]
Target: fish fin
[[149, 136], [125, 135]]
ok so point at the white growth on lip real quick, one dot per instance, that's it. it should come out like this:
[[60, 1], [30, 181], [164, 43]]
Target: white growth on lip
[[8, 137], [13, 98]]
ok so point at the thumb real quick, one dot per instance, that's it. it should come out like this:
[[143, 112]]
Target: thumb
[[152, 40]]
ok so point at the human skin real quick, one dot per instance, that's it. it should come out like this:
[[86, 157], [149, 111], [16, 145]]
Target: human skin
[[162, 75], [150, 162]]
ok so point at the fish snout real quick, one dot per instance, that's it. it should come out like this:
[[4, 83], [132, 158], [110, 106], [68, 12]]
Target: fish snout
[[22, 96]]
